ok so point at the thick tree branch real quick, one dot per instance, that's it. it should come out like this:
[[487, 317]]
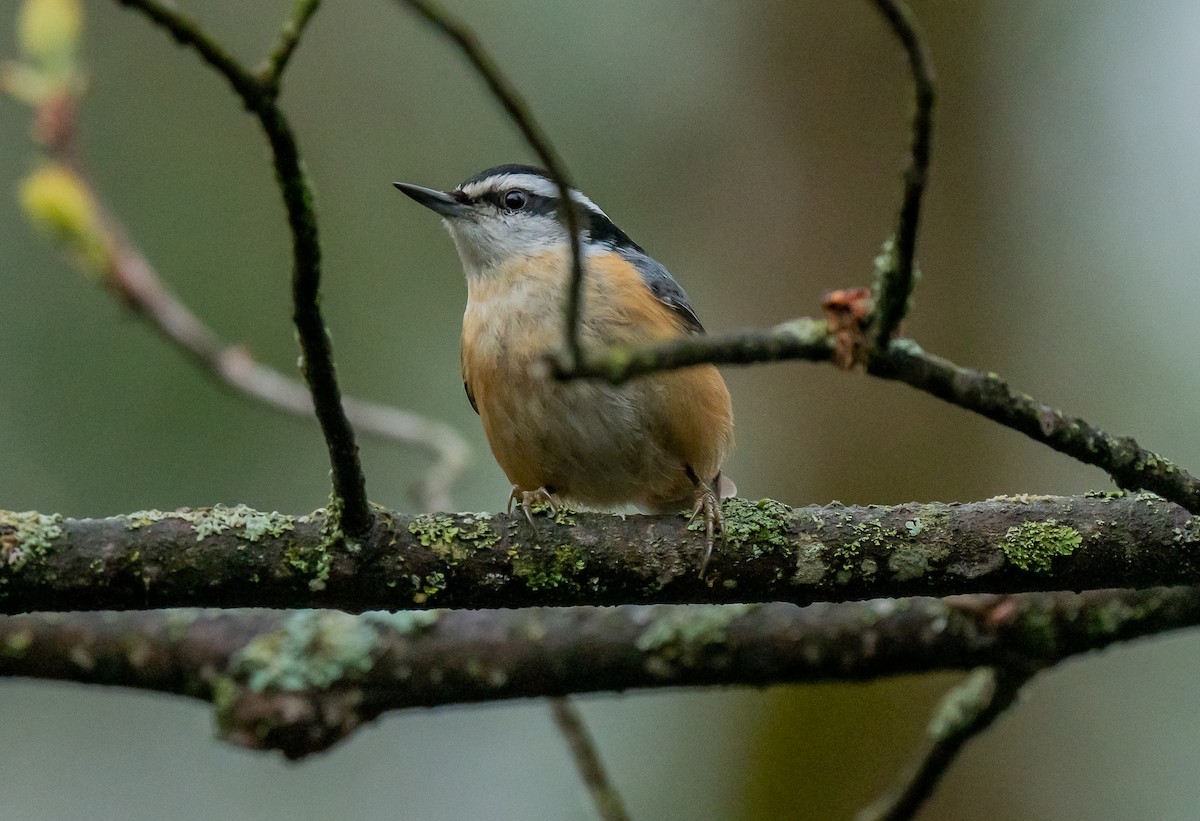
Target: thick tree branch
[[236, 557], [521, 114], [299, 682], [259, 97]]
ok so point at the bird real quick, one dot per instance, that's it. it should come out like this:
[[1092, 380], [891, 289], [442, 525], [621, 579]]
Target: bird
[[658, 441]]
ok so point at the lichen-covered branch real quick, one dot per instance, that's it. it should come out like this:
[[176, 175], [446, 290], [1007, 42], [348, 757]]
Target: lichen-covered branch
[[237, 557], [897, 274], [259, 94], [521, 114], [299, 682]]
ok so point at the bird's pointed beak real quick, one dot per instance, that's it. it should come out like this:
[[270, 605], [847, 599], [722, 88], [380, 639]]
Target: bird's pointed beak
[[435, 200]]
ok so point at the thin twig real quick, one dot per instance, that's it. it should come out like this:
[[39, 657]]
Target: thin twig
[[520, 113], [605, 797], [139, 286], [965, 712], [1131, 466], [349, 484], [187, 33], [896, 278], [803, 339], [289, 37]]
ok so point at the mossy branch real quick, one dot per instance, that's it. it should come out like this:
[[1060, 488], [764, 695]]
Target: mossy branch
[[300, 682], [237, 557]]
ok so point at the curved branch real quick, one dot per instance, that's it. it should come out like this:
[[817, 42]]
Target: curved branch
[[522, 116], [187, 33], [965, 712], [237, 557], [300, 682], [349, 484], [897, 275]]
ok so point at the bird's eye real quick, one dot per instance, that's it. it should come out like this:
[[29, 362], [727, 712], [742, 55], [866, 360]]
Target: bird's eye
[[515, 199]]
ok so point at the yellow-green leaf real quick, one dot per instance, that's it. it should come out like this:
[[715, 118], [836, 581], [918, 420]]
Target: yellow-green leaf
[[57, 201], [48, 31]]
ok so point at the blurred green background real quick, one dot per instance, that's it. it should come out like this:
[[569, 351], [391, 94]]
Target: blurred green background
[[755, 150]]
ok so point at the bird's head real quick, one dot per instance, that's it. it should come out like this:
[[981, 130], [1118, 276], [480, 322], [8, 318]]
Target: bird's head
[[511, 212]]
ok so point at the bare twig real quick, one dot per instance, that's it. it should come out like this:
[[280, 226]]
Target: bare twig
[[137, 283], [349, 484], [289, 37], [585, 754], [897, 274], [300, 682], [965, 712], [1130, 465], [803, 339], [522, 116]]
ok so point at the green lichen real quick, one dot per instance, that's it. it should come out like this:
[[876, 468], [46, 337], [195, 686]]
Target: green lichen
[[962, 705], [763, 527], [25, 536], [908, 562], [544, 568], [314, 561], [252, 524], [1039, 633], [311, 649], [428, 587], [681, 637], [16, 644], [810, 561], [1105, 494], [1033, 545], [405, 622], [454, 541], [847, 554]]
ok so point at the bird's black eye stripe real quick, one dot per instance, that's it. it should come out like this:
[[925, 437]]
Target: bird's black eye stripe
[[530, 203]]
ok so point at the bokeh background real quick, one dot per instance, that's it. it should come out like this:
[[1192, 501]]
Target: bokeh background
[[755, 150]]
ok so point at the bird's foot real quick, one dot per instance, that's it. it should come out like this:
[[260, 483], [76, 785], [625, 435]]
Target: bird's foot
[[708, 506], [529, 498]]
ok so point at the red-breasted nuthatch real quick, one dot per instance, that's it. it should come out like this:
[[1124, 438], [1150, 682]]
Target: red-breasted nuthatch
[[658, 441]]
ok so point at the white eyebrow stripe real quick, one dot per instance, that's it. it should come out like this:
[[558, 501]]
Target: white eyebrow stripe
[[529, 182]]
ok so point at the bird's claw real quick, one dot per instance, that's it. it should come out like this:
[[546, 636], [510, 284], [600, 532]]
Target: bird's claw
[[528, 498], [708, 505]]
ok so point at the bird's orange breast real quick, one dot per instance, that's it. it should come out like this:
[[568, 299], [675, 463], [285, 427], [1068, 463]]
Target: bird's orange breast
[[642, 442]]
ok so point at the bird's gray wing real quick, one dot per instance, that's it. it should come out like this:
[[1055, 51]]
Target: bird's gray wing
[[665, 289]]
